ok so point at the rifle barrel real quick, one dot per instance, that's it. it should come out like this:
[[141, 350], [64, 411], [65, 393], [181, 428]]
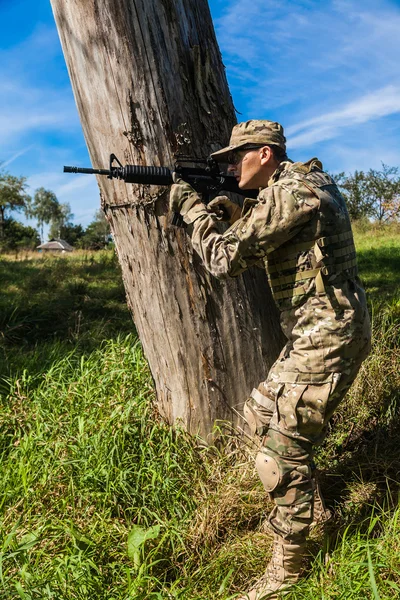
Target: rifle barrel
[[87, 171]]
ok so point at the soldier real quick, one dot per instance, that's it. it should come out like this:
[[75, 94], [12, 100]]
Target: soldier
[[300, 228]]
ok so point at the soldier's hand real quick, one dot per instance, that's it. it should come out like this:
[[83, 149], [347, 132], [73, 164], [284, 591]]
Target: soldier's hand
[[182, 196], [224, 209]]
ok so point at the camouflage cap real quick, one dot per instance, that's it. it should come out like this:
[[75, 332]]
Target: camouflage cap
[[253, 132]]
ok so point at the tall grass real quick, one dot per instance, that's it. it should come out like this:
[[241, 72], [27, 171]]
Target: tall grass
[[85, 459], [50, 305], [99, 499]]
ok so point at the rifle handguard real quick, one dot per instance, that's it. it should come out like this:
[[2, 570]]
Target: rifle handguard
[[144, 175]]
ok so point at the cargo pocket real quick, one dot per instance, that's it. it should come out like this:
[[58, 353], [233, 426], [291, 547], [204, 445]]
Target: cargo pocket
[[287, 401], [311, 408], [302, 404]]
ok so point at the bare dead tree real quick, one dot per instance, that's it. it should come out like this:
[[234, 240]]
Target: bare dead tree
[[149, 83]]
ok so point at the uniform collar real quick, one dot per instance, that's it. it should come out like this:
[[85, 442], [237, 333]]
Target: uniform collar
[[277, 173], [286, 165]]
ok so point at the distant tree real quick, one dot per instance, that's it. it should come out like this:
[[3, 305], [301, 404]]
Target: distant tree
[[60, 219], [375, 194], [72, 233], [18, 236], [13, 196], [383, 192], [353, 188], [97, 234], [44, 208]]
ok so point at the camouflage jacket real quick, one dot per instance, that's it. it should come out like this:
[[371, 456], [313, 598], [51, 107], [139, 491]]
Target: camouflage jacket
[[300, 228]]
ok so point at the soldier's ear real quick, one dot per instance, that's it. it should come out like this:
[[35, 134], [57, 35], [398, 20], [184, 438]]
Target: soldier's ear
[[266, 155]]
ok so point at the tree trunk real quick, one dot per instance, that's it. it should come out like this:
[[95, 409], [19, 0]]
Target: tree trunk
[[149, 84], [1, 223]]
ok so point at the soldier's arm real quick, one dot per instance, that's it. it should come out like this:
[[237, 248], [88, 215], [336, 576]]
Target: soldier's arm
[[278, 215]]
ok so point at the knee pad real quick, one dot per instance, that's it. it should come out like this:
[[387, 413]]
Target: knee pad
[[289, 482], [269, 471], [283, 462]]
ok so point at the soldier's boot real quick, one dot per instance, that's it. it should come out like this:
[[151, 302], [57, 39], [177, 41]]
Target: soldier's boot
[[321, 514], [283, 571]]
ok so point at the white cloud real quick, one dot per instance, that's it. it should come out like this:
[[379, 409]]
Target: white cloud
[[46, 118], [302, 53], [29, 109], [383, 102], [15, 156], [33, 97], [80, 183], [328, 71], [60, 183], [349, 157]]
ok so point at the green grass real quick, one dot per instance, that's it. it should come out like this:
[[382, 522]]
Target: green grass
[[362, 565], [99, 499], [378, 253], [50, 305], [85, 459]]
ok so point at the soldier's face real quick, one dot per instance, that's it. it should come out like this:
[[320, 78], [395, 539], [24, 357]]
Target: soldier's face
[[251, 168]]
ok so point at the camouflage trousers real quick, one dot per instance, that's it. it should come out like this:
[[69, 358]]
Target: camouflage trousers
[[292, 420]]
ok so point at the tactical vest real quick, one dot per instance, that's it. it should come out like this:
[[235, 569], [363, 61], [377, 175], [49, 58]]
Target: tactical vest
[[327, 257]]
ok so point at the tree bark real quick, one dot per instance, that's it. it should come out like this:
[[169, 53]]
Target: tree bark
[[149, 84]]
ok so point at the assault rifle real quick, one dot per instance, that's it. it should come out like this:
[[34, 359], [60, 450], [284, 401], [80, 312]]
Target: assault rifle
[[208, 180]]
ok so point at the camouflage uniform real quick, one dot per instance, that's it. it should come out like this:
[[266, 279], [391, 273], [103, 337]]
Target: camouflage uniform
[[300, 228]]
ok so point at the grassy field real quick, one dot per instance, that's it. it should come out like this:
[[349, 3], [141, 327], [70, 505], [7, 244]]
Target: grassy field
[[99, 499], [379, 262], [51, 305]]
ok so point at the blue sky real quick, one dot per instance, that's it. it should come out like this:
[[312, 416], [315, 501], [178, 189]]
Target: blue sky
[[327, 70]]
